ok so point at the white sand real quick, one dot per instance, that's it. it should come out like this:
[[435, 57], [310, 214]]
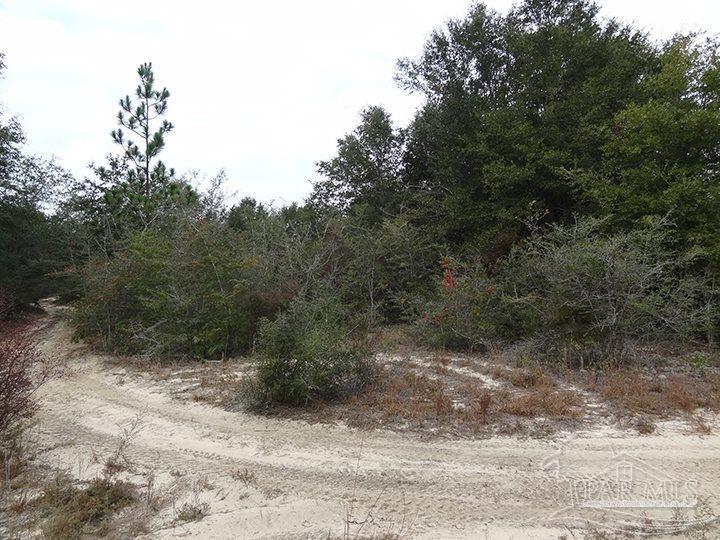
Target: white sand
[[309, 476]]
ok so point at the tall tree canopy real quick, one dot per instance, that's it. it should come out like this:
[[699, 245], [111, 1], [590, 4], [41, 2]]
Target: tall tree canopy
[[365, 175], [514, 103], [549, 110]]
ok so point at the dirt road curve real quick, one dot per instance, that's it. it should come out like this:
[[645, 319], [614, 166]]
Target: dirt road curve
[[312, 481]]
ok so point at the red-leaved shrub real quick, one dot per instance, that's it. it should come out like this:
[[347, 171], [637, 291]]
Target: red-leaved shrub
[[22, 370]]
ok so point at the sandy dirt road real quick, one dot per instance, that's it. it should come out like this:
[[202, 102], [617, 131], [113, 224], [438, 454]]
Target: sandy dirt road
[[320, 481]]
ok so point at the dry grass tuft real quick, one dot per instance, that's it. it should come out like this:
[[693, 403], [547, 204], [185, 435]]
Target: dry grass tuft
[[679, 390], [76, 513], [522, 377], [411, 396], [396, 338], [544, 401], [246, 476], [645, 426], [699, 426], [192, 512], [403, 399], [481, 401], [635, 393]]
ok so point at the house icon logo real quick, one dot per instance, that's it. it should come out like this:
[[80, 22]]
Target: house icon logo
[[627, 492]]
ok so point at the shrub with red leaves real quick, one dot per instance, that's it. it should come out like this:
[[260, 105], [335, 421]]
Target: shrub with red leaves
[[449, 275], [19, 358]]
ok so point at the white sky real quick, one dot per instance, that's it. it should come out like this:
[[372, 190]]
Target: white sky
[[260, 88]]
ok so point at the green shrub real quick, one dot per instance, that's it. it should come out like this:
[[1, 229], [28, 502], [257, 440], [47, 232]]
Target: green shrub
[[575, 293], [593, 292], [307, 353], [699, 361], [469, 310], [384, 267], [190, 291]]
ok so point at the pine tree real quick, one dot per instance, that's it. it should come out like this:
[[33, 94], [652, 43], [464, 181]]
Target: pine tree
[[136, 118], [137, 185]]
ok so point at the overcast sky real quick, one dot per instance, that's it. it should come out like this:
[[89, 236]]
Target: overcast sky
[[260, 88]]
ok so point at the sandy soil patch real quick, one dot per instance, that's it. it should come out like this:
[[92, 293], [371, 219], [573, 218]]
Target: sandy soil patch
[[266, 477]]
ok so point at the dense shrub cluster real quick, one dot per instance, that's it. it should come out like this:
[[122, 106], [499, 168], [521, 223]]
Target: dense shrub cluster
[[579, 292], [309, 352], [185, 290], [198, 287], [597, 291]]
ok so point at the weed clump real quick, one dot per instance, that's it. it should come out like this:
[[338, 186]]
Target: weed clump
[[645, 426], [544, 402], [190, 512], [23, 369], [74, 513], [17, 358]]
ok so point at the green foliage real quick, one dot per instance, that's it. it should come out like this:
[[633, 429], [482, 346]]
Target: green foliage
[[546, 112], [34, 256], [699, 361], [662, 156], [29, 251], [24, 236], [184, 290], [469, 310], [132, 190], [307, 353], [594, 291], [549, 109], [551, 151], [385, 266], [579, 292], [514, 102], [365, 175], [243, 216], [144, 181]]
